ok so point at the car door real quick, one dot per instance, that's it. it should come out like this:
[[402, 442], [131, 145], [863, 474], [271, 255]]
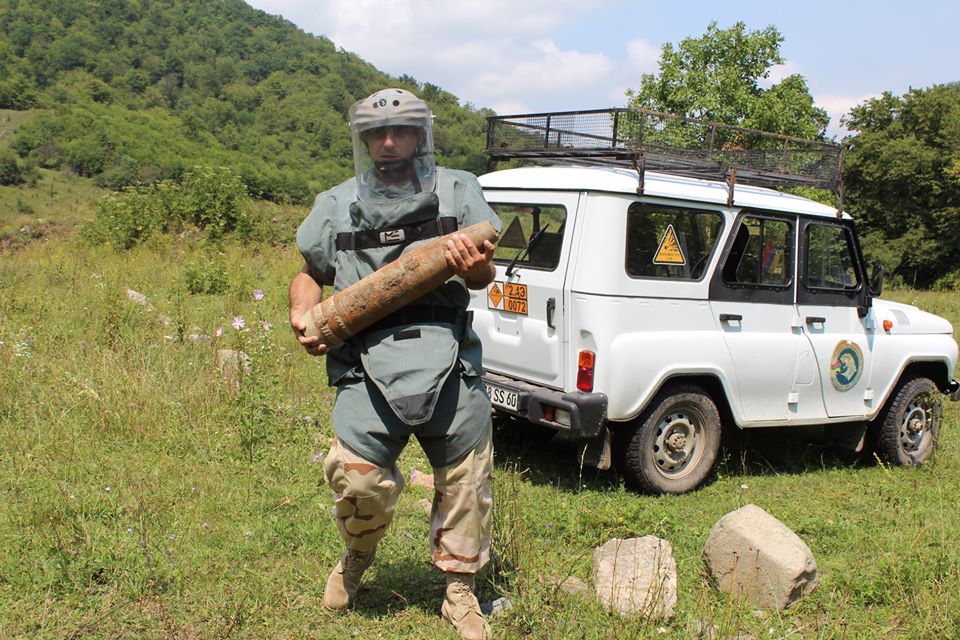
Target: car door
[[827, 299], [752, 298], [520, 315]]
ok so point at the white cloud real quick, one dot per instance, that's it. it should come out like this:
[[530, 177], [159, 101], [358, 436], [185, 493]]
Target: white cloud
[[778, 72], [837, 107], [496, 53]]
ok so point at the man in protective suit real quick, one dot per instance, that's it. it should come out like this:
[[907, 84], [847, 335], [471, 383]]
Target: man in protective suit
[[416, 372]]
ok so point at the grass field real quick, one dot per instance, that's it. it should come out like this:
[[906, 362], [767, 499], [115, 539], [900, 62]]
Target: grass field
[[142, 496]]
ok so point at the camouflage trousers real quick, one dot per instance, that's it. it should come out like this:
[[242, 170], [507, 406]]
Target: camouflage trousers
[[365, 497]]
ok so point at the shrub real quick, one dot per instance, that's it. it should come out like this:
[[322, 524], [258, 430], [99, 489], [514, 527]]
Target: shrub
[[214, 199], [206, 277], [11, 173]]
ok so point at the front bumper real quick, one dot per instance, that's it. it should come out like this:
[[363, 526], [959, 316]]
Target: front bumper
[[581, 414]]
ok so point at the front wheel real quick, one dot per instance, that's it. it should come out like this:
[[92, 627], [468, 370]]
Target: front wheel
[[672, 446], [908, 428]]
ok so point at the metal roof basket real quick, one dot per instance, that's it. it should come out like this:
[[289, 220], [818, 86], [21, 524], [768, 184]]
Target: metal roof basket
[[641, 139]]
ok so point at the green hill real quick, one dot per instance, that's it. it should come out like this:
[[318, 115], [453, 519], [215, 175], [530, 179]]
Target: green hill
[[136, 91]]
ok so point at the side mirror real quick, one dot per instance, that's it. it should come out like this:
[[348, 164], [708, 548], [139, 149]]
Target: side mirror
[[876, 280]]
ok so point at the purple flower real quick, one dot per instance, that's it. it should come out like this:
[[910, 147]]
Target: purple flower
[[205, 526], [266, 325], [238, 323], [218, 332], [317, 457], [258, 294]]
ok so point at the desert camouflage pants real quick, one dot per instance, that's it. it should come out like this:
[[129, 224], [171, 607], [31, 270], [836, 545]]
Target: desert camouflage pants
[[365, 497]]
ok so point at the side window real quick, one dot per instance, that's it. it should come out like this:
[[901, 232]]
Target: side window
[[670, 242], [761, 254], [830, 262], [522, 222]]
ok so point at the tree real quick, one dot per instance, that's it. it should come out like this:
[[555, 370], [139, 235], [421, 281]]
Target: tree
[[902, 178], [717, 77]]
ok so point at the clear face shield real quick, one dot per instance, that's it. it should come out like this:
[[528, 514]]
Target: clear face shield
[[392, 146]]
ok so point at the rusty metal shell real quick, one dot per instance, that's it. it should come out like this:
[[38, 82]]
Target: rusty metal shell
[[389, 288]]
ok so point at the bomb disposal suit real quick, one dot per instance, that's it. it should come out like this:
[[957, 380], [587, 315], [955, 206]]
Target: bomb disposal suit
[[416, 372]]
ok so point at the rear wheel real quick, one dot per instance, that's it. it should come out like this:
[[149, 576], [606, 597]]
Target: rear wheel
[[908, 428], [672, 446]]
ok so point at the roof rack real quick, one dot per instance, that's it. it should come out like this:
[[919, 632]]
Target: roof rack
[[642, 139]]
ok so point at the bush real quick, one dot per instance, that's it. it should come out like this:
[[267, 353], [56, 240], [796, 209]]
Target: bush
[[206, 277], [215, 199], [11, 173]]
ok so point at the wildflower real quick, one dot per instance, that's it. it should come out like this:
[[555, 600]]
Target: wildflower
[[744, 486], [248, 533], [107, 489], [258, 294], [218, 332], [172, 537], [238, 323], [317, 457], [205, 526], [266, 325]]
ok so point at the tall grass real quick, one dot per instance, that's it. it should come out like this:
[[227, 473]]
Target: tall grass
[[142, 495]]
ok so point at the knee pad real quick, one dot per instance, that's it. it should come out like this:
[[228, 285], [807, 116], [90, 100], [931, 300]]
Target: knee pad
[[364, 496]]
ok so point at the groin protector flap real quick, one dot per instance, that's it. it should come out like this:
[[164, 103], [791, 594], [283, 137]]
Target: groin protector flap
[[409, 365]]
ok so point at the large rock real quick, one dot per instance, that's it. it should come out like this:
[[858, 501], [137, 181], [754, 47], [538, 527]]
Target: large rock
[[636, 576], [754, 556]]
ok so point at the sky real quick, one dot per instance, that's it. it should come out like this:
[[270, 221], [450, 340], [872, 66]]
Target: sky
[[522, 56]]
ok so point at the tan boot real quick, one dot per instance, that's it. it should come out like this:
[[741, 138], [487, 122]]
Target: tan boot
[[344, 580], [461, 609]]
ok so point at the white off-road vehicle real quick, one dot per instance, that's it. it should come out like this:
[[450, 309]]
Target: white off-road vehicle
[[649, 294]]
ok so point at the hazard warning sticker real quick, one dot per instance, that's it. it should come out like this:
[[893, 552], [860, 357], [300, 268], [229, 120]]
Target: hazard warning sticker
[[669, 251], [508, 296]]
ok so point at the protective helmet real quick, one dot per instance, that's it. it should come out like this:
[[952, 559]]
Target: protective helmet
[[392, 178]]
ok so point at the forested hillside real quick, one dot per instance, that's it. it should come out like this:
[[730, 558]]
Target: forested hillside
[[135, 91]]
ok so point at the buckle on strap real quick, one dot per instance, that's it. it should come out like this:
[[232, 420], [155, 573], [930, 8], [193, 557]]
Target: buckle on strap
[[390, 236]]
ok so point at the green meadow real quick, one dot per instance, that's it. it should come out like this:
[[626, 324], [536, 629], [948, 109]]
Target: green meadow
[[144, 493]]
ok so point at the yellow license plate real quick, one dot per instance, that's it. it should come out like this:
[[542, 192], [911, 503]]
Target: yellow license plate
[[508, 296]]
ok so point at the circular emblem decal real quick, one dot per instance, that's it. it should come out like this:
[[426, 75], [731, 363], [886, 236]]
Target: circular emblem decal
[[846, 365]]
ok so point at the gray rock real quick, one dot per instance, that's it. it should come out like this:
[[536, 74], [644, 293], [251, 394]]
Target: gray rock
[[139, 298], [636, 576], [233, 365], [754, 556], [496, 607]]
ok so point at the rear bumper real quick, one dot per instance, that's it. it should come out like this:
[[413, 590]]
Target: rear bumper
[[580, 414]]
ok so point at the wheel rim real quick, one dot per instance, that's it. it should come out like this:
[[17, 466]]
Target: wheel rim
[[916, 428], [678, 444]]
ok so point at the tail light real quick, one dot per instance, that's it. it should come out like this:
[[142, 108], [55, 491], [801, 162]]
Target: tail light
[[585, 362]]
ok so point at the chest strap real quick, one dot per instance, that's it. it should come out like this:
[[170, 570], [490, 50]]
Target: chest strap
[[389, 236]]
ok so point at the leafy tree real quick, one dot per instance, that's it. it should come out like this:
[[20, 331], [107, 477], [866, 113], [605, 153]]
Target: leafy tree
[[902, 177], [716, 77]]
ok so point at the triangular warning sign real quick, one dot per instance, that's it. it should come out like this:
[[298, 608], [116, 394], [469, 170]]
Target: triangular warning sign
[[669, 251]]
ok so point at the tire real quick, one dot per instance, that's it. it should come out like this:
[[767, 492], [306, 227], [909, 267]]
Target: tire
[[909, 426], [672, 446]]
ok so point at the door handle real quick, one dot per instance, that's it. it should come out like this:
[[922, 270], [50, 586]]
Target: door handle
[[730, 317], [816, 320], [551, 308]]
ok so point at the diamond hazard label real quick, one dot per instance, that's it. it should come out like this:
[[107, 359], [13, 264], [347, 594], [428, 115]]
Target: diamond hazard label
[[495, 296], [669, 251]]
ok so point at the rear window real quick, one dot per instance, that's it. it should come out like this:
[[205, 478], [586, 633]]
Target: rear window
[[543, 223], [670, 242]]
